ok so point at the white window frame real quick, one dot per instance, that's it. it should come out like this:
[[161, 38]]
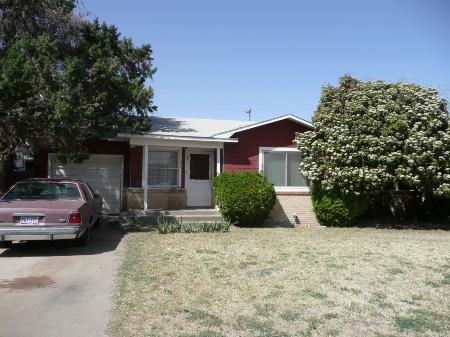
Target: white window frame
[[179, 166], [263, 150]]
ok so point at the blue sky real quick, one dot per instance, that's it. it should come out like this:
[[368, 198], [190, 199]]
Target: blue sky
[[217, 59]]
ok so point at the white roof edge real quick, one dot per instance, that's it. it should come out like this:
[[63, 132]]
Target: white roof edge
[[200, 139], [115, 139], [269, 121]]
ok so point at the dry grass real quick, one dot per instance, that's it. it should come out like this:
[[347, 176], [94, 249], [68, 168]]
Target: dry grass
[[284, 282]]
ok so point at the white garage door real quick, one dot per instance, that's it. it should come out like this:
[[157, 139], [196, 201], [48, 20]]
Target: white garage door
[[103, 172]]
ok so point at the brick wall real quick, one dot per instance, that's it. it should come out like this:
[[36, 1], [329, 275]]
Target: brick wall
[[287, 204], [290, 203], [157, 198]]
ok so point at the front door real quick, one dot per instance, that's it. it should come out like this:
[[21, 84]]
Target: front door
[[198, 177]]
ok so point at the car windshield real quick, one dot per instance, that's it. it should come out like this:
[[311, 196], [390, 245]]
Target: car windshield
[[43, 191]]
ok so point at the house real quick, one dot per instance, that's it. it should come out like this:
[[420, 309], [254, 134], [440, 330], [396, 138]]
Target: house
[[172, 165]]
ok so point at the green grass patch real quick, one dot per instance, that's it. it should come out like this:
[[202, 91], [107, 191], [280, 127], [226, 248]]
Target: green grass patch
[[265, 310], [205, 333], [244, 323], [352, 290], [315, 294], [422, 321], [203, 317], [290, 315], [330, 315], [395, 271]]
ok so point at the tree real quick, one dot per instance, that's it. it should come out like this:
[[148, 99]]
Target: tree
[[371, 135], [65, 81]]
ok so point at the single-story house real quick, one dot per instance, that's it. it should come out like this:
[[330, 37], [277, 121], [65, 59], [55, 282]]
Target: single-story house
[[172, 165]]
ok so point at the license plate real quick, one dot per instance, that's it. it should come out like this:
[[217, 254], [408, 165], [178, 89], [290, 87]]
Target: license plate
[[29, 220]]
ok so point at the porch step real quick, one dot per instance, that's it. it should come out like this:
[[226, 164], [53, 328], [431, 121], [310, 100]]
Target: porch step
[[150, 217]]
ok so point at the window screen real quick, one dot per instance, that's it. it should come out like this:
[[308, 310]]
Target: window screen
[[199, 167], [282, 168], [163, 168]]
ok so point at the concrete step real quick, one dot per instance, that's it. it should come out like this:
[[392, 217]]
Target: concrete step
[[150, 217]]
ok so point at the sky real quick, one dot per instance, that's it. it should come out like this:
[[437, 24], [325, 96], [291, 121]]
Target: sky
[[219, 58]]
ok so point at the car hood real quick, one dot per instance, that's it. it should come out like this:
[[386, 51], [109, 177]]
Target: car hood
[[53, 209]]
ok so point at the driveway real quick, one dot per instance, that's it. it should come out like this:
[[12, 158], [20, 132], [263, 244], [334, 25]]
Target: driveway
[[57, 288]]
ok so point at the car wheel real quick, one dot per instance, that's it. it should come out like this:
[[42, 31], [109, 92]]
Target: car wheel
[[83, 240], [5, 244]]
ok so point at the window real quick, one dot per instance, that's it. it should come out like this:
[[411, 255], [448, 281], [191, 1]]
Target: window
[[199, 166], [163, 168], [43, 191], [280, 166], [87, 191]]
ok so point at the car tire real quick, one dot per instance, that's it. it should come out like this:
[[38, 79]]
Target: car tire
[[5, 244], [83, 240]]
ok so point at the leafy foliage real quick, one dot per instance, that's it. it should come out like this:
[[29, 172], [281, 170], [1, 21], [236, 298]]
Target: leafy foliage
[[244, 198], [370, 135], [174, 226], [334, 208], [65, 80]]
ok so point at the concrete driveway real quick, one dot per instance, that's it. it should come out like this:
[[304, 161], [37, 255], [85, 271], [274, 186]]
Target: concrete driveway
[[57, 288]]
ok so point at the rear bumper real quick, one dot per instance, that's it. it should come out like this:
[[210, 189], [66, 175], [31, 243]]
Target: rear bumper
[[39, 233]]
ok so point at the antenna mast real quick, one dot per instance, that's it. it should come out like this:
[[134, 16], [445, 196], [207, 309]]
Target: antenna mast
[[249, 112]]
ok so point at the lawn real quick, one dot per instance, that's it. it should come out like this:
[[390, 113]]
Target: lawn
[[284, 282]]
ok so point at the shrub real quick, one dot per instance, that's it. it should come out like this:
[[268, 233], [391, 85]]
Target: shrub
[[334, 208], [433, 208], [244, 198], [175, 226]]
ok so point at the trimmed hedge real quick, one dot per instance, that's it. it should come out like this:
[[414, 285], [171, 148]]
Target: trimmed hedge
[[334, 208], [244, 198]]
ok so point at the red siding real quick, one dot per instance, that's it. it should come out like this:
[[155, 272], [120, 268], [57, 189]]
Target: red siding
[[244, 155], [136, 166]]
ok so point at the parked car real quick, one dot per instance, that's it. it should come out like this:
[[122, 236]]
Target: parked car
[[48, 209]]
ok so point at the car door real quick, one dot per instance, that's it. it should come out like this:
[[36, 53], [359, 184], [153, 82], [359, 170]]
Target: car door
[[97, 199], [91, 208]]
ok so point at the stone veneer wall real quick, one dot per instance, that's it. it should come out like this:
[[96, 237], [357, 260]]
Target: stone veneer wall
[[290, 203], [157, 198]]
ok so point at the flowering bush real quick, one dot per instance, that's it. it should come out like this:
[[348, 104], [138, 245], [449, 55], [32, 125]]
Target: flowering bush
[[370, 135]]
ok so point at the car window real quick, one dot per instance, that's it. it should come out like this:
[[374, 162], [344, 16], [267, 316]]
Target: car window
[[43, 191], [89, 187], [87, 192]]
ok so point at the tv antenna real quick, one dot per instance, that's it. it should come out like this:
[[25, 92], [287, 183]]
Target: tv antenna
[[249, 112]]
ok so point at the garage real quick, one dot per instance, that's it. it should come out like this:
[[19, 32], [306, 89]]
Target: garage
[[103, 172]]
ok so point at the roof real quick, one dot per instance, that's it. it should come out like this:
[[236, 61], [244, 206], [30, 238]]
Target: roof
[[299, 120], [192, 127], [204, 129]]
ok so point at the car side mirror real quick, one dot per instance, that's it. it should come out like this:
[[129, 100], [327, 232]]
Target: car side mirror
[[96, 195]]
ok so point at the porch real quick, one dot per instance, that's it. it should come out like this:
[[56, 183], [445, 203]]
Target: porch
[[291, 208], [174, 176]]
